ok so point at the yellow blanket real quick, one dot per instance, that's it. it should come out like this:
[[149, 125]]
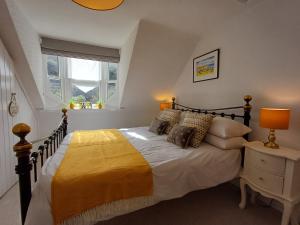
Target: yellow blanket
[[99, 167]]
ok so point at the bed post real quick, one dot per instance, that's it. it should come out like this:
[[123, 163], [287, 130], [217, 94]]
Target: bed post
[[247, 110], [65, 121], [247, 117], [24, 166], [173, 102]]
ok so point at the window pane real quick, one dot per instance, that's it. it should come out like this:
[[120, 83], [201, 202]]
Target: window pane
[[55, 87], [82, 69], [81, 93], [52, 65], [111, 89], [113, 71]]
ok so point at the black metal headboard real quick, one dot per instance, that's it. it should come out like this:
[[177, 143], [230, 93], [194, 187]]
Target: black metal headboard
[[222, 112]]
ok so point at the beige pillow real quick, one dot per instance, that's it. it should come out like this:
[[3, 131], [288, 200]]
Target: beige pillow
[[225, 143], [201, 123], [170, 115], [227, 128]]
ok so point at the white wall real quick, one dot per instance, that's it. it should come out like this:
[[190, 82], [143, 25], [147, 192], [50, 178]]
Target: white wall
[[22, 42], [158, 58], [260, 56], [94, 119], [9, 85], [126, 55]]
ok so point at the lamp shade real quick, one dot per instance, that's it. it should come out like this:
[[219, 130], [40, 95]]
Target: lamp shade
[[274, 118], [165, 105], [99, 4]]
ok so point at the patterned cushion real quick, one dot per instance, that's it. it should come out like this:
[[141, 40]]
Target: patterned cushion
[[201, 123], [182, 115], [170, 115], [181, 135], [158, 126]]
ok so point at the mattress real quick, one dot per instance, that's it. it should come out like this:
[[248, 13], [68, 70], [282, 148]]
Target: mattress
[[176, 172]]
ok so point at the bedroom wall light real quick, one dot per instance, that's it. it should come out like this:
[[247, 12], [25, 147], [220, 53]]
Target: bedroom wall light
[[274, 119], [165, 105], [101, 5]]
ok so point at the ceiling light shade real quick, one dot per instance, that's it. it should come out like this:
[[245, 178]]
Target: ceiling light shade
[[99, 4]]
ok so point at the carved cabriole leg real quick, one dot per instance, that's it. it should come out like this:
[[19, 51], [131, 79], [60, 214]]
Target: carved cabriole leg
[[24, 166], [243, 202], [287, 212]]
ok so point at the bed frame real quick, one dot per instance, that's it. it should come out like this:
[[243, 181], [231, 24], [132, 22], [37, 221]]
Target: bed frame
[[28, 160]]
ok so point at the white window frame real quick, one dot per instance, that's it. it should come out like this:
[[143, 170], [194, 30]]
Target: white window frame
[[47, 89], [66, 82]]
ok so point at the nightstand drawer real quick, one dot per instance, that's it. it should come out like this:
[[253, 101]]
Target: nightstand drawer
[[268, 163], [265, 180]]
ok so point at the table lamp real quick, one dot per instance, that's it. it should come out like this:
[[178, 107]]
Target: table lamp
[[274, 119], [165, 105]]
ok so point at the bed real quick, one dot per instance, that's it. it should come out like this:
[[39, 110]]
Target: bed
[[176, 171]]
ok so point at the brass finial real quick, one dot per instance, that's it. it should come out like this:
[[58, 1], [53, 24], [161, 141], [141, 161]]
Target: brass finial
[[247, 99], [21, 130], [64, 111], [173, 99]]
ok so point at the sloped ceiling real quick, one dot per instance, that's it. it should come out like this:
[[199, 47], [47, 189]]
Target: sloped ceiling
[[158, 57], [166, 36], [63, 19], [22, 43]]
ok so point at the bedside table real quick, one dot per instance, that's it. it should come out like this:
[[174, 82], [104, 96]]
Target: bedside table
[[274, 173]]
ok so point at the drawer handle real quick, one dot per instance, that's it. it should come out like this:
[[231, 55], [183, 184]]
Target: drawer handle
[[261, 179], [262, 160]]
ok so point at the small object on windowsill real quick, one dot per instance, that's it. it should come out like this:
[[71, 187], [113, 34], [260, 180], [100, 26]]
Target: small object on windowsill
[[274, 119], [99, 105], [88, 105], [72, 105]]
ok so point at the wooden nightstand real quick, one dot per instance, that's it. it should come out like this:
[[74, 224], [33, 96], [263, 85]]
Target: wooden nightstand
[[274, 173]]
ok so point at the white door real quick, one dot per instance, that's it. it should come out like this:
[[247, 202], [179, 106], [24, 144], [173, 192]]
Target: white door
[[4, 127], [10, 85]]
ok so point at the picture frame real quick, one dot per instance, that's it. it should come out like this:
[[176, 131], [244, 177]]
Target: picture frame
[[206, 66]]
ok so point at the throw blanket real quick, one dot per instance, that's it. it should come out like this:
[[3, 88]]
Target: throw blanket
[[99, 167]]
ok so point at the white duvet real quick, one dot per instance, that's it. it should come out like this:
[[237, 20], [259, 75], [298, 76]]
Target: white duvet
[[176, 172]]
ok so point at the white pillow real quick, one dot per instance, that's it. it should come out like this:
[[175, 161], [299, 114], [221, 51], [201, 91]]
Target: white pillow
[[227, 128], [225, 143]]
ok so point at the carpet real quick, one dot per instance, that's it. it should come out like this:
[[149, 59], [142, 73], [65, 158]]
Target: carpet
[[214, 206]]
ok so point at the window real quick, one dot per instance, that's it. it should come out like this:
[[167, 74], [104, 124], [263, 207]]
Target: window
[[54, 77], [84, 82], [112, 79]]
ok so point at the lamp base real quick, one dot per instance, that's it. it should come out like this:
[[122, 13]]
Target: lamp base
[[271, 140], [271, 145]]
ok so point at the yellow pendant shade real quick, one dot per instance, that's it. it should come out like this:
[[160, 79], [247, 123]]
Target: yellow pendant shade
[[99, 4]]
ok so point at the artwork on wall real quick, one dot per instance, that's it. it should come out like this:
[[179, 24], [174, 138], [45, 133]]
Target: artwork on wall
[[206, 67]]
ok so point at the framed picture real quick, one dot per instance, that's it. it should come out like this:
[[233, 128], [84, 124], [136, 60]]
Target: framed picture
[[206, 67]]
